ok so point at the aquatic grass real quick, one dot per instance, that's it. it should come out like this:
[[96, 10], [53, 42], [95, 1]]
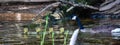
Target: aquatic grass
[[41, 37], [53, 34], [65, 38], [44, 34]]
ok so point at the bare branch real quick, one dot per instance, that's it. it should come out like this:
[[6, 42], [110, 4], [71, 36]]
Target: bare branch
[[109, 6], [117, 12], [47, 7]]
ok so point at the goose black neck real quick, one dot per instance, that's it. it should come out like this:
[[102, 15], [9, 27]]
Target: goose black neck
[[78, 22]]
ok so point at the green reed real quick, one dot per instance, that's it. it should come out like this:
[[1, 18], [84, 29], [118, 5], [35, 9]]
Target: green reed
[[66, 37], [53, 34], [44, 34]]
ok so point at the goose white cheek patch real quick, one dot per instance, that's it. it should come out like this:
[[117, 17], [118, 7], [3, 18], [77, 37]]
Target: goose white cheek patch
[[74, 18]]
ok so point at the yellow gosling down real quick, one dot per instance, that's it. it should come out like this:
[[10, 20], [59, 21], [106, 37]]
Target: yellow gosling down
[[50, 30], [25, 30], [38, 30], [61, 30]]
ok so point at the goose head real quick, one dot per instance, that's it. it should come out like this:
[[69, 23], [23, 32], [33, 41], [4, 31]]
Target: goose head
[[74, 17]]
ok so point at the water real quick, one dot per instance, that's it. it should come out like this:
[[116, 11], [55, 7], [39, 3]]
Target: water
[[83, 39], [10, 34]]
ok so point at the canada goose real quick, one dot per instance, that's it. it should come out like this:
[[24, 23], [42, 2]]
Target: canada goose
[[75, 34]]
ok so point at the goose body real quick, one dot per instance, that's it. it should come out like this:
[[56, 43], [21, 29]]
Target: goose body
[[104, 29], [116, 32], [74, 37]]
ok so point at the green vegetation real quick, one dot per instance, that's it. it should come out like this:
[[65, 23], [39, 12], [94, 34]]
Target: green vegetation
[[53, 38], [44, 34], [66, 37]]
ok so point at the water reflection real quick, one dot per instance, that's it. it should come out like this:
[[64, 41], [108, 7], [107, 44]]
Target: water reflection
[[87, 39], [107, 42]]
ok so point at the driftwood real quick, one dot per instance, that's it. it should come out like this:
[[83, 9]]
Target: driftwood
[[63, 2], [110, 6]]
